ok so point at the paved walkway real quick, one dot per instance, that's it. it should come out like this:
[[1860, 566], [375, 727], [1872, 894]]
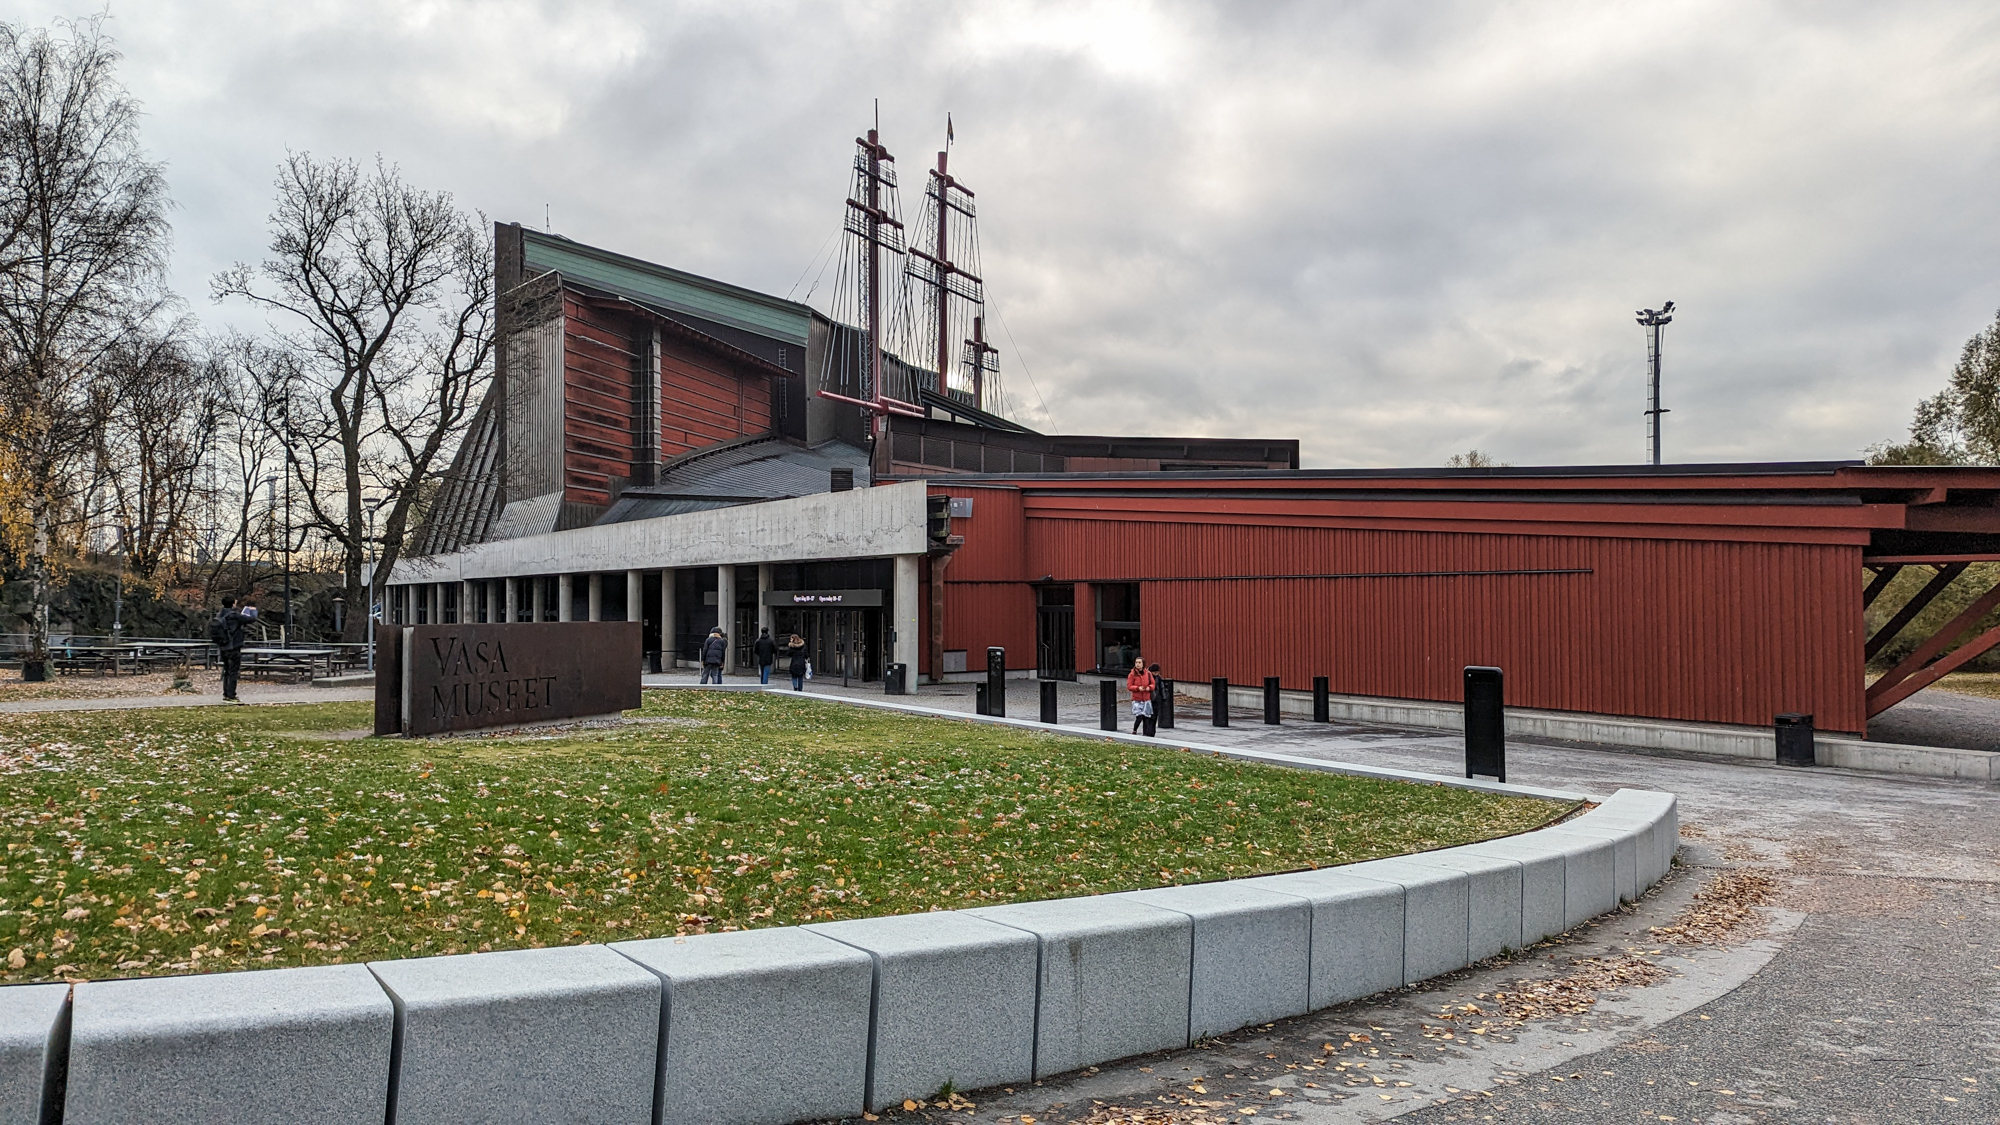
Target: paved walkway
[[1872, 993]]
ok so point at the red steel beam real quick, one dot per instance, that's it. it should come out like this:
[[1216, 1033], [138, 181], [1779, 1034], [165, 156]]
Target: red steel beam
[[1932, 674], [1914, 663], [1883, 576], [1945, 573]]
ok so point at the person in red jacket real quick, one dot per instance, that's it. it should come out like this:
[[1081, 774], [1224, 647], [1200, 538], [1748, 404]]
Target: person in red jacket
[[1141, 683]]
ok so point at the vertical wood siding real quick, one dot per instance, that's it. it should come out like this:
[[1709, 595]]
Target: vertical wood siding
[[1707, 631]]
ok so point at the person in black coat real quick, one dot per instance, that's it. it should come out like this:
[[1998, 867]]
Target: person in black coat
[[797, 664], [714, 652], [767, 651], [229, 630]]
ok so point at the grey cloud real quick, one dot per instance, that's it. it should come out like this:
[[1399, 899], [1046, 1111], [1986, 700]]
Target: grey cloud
[[1394, 231]]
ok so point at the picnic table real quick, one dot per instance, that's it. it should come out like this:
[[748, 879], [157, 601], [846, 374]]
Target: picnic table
[[293, 662]]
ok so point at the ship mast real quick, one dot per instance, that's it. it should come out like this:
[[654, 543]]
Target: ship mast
[[944, 268], [862, 367]]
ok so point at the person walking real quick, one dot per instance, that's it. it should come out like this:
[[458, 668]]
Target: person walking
[[797, 665], [714, 651], [1159, 685], [1141, 682], [767, 651], [228, 631]]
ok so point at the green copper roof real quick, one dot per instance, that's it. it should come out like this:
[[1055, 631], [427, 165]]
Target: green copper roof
[[669, 288]]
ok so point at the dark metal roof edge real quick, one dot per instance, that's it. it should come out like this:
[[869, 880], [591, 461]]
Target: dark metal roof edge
[[670, 272], [1528, 472]]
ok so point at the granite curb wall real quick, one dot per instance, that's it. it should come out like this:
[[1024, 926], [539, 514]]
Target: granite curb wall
[[799, 1023]]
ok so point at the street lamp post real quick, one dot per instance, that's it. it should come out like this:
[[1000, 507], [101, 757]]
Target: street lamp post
[[374, 555]]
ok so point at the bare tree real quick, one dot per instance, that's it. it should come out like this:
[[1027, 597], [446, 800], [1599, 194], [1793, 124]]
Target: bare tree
[[164, 397], [381, 298], [83, 242]]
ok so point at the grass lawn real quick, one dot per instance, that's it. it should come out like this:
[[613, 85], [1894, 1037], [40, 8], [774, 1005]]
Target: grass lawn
[[169, 841]]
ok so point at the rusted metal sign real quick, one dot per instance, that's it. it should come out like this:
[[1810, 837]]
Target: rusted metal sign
[[440, 678]]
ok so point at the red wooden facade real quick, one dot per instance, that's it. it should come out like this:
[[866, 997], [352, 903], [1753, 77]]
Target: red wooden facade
[[707, 395], [1726, 596]]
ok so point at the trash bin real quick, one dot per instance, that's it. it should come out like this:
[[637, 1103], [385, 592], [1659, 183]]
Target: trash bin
[[653, 662], [1795, 739], [896, 679]]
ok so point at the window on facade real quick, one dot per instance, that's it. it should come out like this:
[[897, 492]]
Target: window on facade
[[1117, 625]]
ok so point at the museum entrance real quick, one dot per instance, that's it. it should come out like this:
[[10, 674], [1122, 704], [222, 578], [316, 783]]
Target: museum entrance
[[843, 630]]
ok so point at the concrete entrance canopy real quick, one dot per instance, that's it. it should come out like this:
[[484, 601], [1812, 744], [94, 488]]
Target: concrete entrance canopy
[[871, 523]]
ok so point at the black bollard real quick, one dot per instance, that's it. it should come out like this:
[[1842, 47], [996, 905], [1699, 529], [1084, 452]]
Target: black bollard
[[1795, 739], [996, 681], [1218, 702], [1163, 704], [979, 699], [1485, 723], [1271, 701], [1107, 704], [1322, 706], [1048, 701]]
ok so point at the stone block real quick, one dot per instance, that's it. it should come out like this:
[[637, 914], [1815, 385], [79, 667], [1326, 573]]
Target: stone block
[[954, 1002], [1113, 978], [763, 1027], [34, 1046], [1437, 920], [530, 1035], [1624, 841], [1494, 894], [1656, 814], [1252, 953], [309, 1044], [1542, 874], [1356, 933]]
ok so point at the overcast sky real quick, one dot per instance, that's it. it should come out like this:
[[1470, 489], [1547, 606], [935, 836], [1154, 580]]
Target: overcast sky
[[1394, 231]]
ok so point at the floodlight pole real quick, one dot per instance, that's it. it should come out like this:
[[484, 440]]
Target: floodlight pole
[[1655, 322]]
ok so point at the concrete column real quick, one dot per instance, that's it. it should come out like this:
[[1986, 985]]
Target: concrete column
[[667, 617], [539, 599], [468, 602], [596, 597], [511, 598], [763, 587], [635, 596], [905, 625], [437, 603], [566, 597], [725, 609]]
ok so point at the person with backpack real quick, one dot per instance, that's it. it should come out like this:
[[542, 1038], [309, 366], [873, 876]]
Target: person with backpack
[[767, 651], [798, 665], [228, 631], [1141, 682], [714, 651]]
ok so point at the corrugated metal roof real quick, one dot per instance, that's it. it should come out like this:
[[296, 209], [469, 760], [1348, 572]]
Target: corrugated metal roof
[[740, 474]]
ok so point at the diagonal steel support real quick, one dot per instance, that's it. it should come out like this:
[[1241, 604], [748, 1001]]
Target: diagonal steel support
[[1892, 688], [1914, 606], [1884, 575], [1918, 681]]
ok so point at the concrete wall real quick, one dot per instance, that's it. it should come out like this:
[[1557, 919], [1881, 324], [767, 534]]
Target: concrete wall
[[766, 1027], [862, 523]]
